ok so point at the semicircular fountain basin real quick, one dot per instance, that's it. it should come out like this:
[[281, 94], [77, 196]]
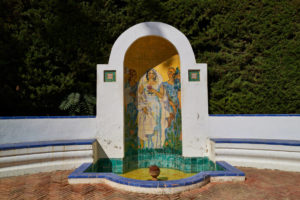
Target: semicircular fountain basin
[[177, 173]]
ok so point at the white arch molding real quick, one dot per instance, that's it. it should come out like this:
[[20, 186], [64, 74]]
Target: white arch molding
[[110, 116]]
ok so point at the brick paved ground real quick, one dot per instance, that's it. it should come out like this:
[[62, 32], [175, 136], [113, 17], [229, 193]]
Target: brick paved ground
[[260, 185]]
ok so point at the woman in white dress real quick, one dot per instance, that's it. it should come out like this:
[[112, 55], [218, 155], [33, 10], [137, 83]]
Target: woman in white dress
[[152, 113]]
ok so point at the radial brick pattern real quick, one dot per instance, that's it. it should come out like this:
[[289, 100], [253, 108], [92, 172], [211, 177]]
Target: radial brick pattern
[[259, 185]]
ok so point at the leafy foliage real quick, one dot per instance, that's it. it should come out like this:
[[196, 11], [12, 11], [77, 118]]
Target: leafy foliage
[[50, 48], [79, 104]]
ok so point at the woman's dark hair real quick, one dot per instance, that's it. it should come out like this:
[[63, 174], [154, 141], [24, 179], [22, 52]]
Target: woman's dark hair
[[155, 75], [177, 71], [174, 70]]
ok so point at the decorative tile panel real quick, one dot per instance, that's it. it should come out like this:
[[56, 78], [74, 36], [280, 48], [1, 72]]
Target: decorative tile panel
[[110, 76], [147, 157], [194, 75]]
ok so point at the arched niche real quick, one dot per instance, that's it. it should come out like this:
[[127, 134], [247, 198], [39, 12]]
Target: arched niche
[[110, 95], [152, 53]]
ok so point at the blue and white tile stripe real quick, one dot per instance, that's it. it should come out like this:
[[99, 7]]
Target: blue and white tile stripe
[[46, 117], [46, 143], [254, 115], [257, 141], [228, 171], [93, 116]]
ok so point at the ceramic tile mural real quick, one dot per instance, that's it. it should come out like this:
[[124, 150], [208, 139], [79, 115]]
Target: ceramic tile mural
[[152, 98]]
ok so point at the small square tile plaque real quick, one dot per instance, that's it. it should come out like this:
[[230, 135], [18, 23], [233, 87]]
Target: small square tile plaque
[[194, 75], [110, 76]]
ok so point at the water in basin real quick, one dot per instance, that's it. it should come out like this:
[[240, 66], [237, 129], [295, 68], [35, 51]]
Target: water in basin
[[165, 174]]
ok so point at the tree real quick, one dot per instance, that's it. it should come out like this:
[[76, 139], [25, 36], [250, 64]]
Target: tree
[[49, 49]]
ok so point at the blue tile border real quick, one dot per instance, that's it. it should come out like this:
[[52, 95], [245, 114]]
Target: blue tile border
[[46, 143], [93, 116], [46, 117], [254, 115], [257, 141], [228, 171]]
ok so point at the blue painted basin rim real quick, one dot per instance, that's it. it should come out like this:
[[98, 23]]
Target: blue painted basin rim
[[229, 171]]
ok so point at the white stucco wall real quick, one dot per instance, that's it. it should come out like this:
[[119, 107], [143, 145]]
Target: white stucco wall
[[46, 129], [271, 156], [110, 115], [194, 113], [260, 127]]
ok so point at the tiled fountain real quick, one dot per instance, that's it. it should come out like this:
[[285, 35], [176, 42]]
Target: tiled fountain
[[152, 109]]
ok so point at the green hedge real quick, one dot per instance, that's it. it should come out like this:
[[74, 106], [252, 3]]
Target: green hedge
[[49, 49]]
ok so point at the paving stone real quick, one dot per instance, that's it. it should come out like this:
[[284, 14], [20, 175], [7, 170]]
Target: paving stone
[[259, 184]]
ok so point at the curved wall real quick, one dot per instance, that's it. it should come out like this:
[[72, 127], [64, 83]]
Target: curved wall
[[22, 129], [282, 127], [32, 157]]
